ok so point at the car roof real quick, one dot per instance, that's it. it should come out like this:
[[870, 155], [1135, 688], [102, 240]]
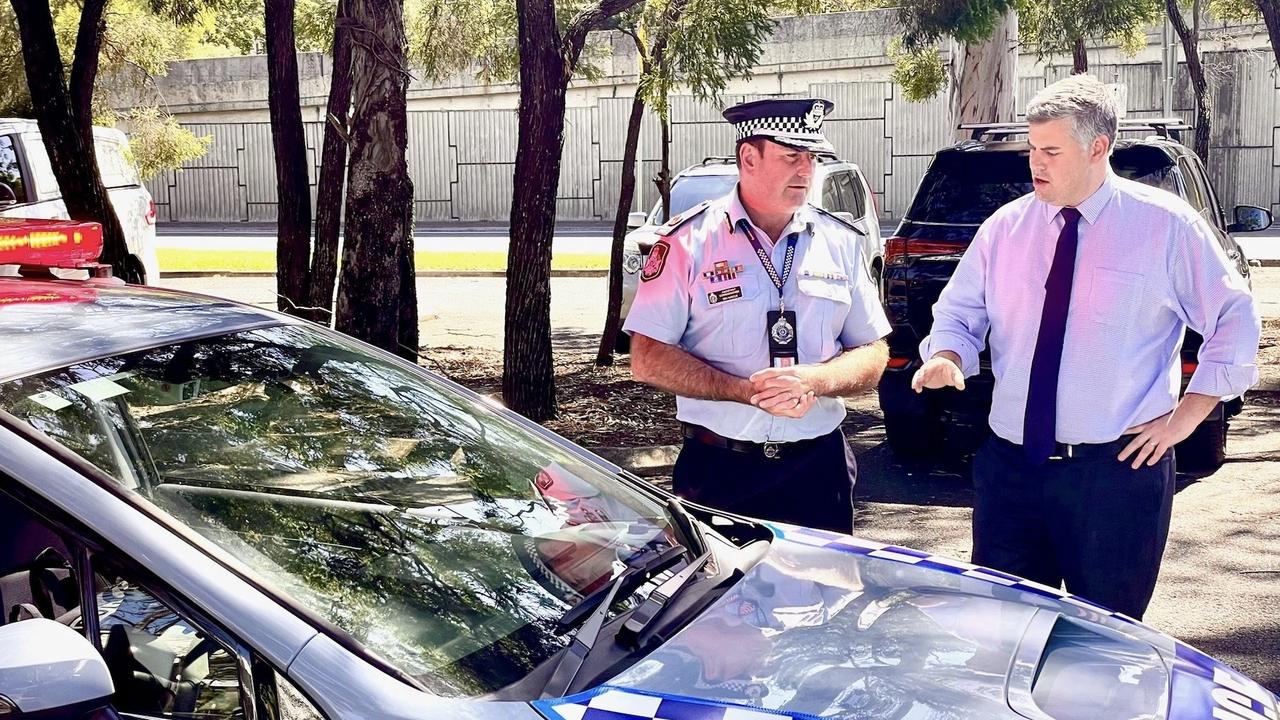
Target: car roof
[[48, 324], [995, 146]]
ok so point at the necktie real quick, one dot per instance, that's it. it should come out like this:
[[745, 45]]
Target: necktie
[[1038, 438]]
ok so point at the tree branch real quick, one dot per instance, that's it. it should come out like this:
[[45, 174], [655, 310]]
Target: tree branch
[[575, 38]]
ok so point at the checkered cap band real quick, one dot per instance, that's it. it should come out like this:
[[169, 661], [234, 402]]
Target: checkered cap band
[[609, 703], [869, 548], [792, 126]]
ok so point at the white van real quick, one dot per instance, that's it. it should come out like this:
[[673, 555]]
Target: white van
[[29, 189]]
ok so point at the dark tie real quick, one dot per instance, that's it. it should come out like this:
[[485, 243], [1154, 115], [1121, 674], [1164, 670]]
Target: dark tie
[[1038, 438]]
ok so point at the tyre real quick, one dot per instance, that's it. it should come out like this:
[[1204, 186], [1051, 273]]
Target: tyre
[[913, 437], [1204, 451], [134, 273]]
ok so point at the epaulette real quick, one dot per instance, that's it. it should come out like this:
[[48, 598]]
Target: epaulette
[[674, 223], [838, 219]]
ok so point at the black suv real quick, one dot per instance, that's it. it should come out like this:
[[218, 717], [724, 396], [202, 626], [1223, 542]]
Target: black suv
[[963, 186]]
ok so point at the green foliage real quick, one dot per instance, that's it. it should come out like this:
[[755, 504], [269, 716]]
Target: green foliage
[[1054, 26], [159, 143], [920, 72], [448, 35], [925, 22], [238, 26], [818, 7], [1235, 10]]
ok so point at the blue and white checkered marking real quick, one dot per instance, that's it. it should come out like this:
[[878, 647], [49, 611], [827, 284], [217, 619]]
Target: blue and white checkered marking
[[610, 703], [870, 548]]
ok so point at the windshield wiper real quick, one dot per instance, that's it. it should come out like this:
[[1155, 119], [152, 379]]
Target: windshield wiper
[[643, 617], [688, 532], [627, 582], [584, 640]]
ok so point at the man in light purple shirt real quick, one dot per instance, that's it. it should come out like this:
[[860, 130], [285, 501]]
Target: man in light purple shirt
[[1085, 288]]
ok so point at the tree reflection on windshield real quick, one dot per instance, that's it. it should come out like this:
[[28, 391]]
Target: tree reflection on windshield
[[441, 535]]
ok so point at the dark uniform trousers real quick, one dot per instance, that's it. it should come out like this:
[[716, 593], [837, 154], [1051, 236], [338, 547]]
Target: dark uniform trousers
[[809, 483], [1090, 521]]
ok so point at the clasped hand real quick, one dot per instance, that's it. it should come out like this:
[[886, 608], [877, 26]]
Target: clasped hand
[[784, 392]]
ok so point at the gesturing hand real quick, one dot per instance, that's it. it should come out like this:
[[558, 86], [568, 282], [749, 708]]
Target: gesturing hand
[[938, 372]]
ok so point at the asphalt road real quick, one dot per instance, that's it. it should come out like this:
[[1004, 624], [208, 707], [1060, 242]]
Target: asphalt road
[[1220, 582]]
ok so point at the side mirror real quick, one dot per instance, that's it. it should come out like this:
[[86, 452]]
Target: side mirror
[[636, 219], [1250, 219], [7, 195], [48, 668]]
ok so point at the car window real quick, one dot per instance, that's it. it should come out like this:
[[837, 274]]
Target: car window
[[831, 195], [1199, 192], [445, 536], [11, 170], [689, 190], [117, 168], [967, 187], [850, 195], [160, 663]]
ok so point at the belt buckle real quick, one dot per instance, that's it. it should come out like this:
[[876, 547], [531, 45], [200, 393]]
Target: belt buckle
[[1066, 452], [771, 450]]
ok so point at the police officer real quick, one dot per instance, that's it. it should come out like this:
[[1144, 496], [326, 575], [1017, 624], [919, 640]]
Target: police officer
[[757, 311]]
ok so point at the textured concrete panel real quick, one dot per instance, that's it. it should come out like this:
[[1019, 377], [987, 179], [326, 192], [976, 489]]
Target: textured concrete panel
[[579, 163], [1242, 176], [918, 128], [228, 138], [484, 136], [854, 101], [901, 184], [483, 192]]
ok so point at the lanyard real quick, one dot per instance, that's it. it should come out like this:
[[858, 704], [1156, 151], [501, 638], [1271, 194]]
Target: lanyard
[[778, 282]]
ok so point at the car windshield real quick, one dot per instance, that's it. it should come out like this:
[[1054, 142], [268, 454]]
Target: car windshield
[[442, 534], [966, 187], [689, 190]]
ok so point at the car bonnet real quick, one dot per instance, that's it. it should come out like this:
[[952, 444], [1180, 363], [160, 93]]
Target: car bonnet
[[832, 626]]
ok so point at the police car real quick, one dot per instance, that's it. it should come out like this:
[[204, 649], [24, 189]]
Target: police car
[[838, 187], [210, 510]]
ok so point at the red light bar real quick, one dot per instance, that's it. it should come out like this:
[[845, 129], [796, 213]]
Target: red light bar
[[50, 243]]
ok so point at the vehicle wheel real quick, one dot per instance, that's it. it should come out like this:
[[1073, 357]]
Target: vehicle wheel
[[622, 343], [913, 437], [134, 273], [1206, 449]]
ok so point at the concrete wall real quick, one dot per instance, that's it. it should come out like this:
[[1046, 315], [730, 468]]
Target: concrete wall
[[462, 134]]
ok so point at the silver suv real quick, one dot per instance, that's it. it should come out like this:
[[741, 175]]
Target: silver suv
[[839, 187]]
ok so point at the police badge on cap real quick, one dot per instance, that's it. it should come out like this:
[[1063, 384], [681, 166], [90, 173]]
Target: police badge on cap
[[792, 122]]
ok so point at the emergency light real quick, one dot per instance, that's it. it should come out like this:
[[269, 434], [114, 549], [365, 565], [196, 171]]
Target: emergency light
[[66, 244]]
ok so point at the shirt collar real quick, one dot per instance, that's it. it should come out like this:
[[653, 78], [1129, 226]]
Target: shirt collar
[[1092, 206], [801, 221]]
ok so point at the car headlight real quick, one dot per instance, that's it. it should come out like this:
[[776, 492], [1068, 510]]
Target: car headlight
[[631, 264]]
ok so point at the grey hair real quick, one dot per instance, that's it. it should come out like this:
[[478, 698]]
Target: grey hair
[[1085, 100]]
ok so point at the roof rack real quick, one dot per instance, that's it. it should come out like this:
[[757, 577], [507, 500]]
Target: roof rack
[[1168, 127], [721, 159]]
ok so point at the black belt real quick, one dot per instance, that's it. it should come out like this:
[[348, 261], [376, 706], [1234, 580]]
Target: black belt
[[771, 450], [1080, 451]]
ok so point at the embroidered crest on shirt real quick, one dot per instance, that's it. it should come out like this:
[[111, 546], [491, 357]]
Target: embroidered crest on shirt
[[657, 261], [722, 271]]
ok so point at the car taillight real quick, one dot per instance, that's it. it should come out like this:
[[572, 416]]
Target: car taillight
[[897, 363], [1189, 368], [151, 212], [897, 249]]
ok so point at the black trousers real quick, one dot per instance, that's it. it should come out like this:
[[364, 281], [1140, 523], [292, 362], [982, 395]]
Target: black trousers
[[812, 487], [1091, 522]]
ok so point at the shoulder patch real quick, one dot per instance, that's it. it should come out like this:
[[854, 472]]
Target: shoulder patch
[[657, 261], [676, 222], [838, 219]]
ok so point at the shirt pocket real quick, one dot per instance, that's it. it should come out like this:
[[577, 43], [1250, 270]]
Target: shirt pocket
[[1115, 297], [736, 314], [824, 299]]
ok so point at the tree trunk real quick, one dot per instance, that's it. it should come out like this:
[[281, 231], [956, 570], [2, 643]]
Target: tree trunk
[[374, 303], [664, 175], [70, 148], [984, 78], [1199, 83], [293, 185], [1079, 58], [333, 175], [1270, 10], [528, 382], [612, 321], [84, 66]]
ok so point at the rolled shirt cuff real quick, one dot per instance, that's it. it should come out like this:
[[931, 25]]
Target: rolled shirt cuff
[[958, 344], [1221, 380]]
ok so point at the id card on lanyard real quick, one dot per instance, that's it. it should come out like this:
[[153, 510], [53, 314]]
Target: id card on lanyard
[[780, 324]]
